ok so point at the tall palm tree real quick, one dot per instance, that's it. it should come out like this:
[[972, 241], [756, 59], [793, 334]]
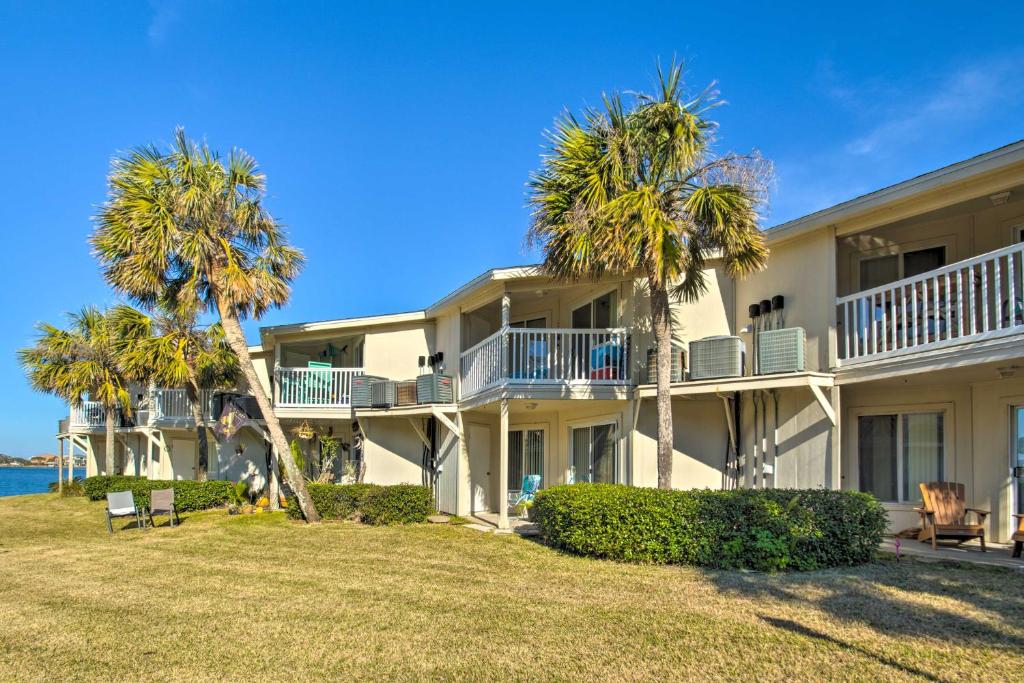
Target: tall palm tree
[[170, 348], [190, 227], [82, 360], [634, 188]]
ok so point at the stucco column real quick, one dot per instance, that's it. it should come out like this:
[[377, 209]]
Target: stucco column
[[60, 464], [503, 467], [506, 309], [836, 464]]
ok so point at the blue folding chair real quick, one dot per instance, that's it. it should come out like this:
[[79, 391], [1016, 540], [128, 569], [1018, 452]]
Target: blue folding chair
[[531, 484]]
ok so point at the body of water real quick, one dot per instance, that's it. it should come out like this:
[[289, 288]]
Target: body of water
[[14, 481]]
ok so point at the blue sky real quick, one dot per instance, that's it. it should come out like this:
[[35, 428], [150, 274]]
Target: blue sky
[[390, 132]]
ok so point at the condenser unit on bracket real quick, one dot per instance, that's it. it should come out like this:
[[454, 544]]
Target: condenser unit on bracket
[[782, 350], [715, 357]]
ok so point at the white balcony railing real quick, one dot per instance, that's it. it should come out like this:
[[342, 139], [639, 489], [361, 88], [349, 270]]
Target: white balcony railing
[[546, 356], [322, 387], [971, 300], [173, 404], [163, 404], [88, 414]]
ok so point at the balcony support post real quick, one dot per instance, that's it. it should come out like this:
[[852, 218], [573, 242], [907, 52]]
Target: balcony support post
[[503, 468]]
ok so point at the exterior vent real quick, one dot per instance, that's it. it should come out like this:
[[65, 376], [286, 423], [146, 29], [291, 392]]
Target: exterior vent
[[434, 388], [781, 351], [361, 390], [716, 357], [678, 364], [383, 393]]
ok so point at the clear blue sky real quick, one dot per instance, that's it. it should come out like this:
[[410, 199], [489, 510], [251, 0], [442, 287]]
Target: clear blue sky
[[392, 132]]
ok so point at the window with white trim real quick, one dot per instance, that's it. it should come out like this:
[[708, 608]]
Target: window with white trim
[[898, 451]]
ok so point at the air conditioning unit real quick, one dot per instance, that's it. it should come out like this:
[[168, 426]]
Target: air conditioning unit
[[361, 390], [406, 393], [383, 393], [714, 357], [434, 388], [678, 364], [782, 350]]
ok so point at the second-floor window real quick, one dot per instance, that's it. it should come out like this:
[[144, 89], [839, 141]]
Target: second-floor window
[[881, 270], [596, 314]]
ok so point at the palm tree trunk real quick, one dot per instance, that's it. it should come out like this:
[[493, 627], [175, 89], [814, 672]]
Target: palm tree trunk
[[203, 456], [661, 321], [110, 415], [236, 339]]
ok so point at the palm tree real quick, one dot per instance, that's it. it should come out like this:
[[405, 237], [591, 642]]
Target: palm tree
[[82, 360], [186, 226], [170, 348], [634, 188]]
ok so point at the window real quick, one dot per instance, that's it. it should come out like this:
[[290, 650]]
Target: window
[[525, 456], [593, 456], [923, 260], [897, 452], [596, 314], [876, 271], [532, 323]]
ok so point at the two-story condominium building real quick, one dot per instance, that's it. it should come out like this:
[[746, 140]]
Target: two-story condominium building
[[909, 367]]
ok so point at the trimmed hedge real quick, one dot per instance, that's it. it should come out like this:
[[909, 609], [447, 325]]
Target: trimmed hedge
[[398, 504], [765, 530], [188, 495], [370, 503]]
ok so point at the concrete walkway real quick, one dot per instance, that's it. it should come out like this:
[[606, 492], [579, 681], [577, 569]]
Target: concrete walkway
[[488, 522], [998, 555]]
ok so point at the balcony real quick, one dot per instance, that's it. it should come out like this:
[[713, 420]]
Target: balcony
[[973, 300], [164, 407], [314, 387], [538, 357]]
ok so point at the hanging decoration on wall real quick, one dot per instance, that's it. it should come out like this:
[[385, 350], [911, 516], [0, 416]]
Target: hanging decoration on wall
[[304, 430], [230, 421]]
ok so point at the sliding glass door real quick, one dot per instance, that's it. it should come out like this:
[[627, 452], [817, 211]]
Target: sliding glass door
[[594, 454], [897, 452], [1017, 459], [525, 456]]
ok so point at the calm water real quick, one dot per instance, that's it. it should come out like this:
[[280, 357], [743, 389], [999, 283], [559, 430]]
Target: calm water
[[15, 481]]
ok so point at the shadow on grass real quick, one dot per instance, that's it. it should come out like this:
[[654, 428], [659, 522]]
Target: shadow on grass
[[870, 595], [800, 629]]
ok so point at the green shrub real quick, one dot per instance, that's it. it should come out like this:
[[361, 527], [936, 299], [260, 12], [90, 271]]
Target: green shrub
[[333, 501], [371, 503], [766, 530], [398, 504], [188, 495], [68, 490]]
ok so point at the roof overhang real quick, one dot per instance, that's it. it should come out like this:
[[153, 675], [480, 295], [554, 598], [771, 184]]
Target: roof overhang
[[939, 182]]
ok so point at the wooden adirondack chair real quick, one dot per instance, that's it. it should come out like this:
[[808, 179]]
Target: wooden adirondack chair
[[1018, 536], [944, 515]]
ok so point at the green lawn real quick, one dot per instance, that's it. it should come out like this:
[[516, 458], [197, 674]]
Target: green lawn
[[261, 598]]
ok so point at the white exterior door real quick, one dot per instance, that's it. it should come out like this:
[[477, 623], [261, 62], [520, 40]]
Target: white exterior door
[[183, 459], [480, 468]]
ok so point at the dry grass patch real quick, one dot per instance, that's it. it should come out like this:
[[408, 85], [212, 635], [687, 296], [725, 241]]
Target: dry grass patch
[[255, 597]]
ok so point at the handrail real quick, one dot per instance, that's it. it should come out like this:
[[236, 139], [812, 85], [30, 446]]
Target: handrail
[[323, 387], [483, 341], [977, 298], [546, 355], [937, 272]]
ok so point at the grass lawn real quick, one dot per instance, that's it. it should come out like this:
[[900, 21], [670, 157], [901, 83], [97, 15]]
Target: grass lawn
[[261, 598]]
